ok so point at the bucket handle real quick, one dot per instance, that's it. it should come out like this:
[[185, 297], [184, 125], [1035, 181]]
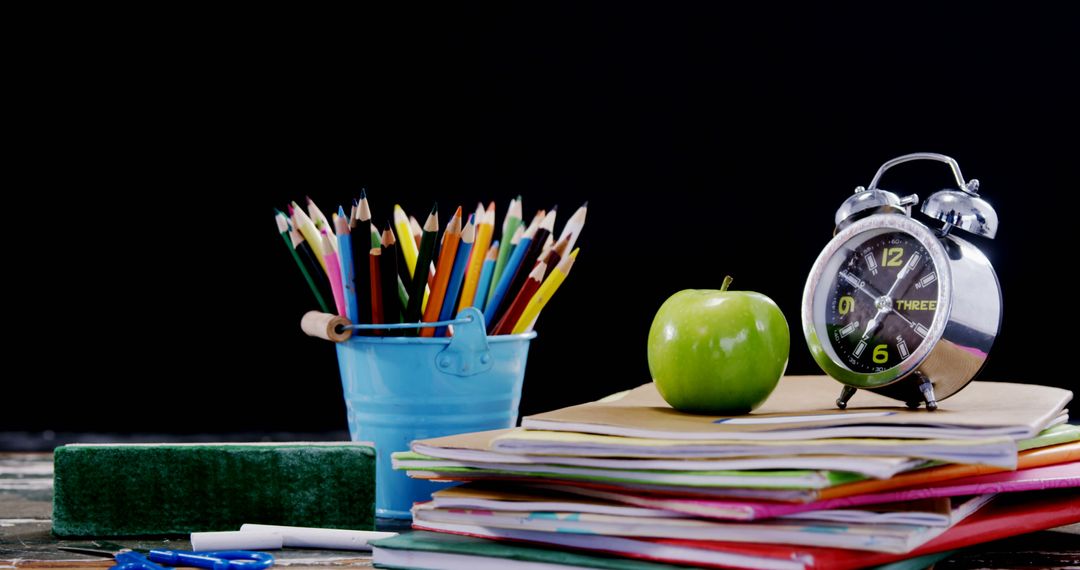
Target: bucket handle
[[466, 354]]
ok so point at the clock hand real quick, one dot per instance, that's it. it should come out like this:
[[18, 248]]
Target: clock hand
[[917, 327], [860, 285], [874, 324], [906, 270]]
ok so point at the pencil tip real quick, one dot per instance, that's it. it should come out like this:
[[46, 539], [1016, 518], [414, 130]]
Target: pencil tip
[[553, 208], [341, 211], [356, 201], [435, 207], [363, 193], [290, 209], [309, 200], [586, 204]]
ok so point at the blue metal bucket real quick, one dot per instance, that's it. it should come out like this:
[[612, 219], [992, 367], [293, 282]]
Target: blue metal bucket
[[399, 389]]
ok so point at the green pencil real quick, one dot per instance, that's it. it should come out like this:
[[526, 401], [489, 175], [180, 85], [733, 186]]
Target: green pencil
[[510, 225], [423, 266], [283, 227]]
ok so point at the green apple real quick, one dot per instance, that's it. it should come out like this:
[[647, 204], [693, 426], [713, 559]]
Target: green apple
[[718, 351]]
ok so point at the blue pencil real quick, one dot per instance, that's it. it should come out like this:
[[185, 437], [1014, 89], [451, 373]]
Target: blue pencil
[[461, 262], [493, 303], [486, 271], [348, 269]]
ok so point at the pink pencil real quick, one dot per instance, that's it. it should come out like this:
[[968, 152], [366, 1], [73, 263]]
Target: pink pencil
[[333, 272]]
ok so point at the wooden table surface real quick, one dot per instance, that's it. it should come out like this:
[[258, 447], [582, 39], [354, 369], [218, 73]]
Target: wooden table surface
[[26, 539]]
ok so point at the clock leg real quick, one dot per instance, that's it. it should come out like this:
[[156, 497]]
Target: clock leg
[[845, 395], [927, 389]]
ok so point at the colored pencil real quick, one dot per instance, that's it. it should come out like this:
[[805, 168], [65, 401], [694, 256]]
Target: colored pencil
[[457, 275], [532, 254], [513, 312], [403, 294], [486, 272], [485, 227], [374, 259], [417, 231], [388, 269], [311, 261], [333, 271], [376, 236], [309, 231], [321, 222], [540, 300], [291, 238], [361, 248], [348, 271], [423, 263], [554, 255], [511, 223], [574, 226], [521, 246], [443, 269], [404, 239]]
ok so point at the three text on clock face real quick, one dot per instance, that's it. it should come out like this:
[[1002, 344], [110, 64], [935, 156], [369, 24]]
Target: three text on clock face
[[882, 301]]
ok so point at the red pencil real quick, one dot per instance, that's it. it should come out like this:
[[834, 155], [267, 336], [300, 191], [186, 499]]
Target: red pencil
[[513, 313], [374, 257]]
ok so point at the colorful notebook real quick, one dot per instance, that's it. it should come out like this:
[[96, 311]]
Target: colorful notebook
[[764, 479], [803, 407], [441, 551], [871, 537], [926, 512], [474, 450], [997, 451], [1010, 515], [1066, 475]]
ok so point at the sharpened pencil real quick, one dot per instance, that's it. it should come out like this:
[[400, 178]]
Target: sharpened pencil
[[291, 236], [443, 269], [423, 263], [485, 227], [511, 223], [388, 271], [376, 300], [540, 300], [485, 275], [457, 275], [405, 240], [348, 272], [513, 312], [333, 271]]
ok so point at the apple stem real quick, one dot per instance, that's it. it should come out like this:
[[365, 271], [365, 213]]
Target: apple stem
[[726, 283]]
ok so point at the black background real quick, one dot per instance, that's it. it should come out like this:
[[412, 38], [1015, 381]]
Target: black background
[[149, 290]]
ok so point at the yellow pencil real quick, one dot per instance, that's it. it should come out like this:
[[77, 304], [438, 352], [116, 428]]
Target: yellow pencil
[[484, 230], [405, 239], [320, 221], [544, 293], [303, 223]]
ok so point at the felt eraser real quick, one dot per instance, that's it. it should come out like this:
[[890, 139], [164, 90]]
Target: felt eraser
[[173, 489]]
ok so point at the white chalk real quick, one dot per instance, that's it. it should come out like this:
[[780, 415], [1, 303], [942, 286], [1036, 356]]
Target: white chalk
[[328, 538], [235, 540]]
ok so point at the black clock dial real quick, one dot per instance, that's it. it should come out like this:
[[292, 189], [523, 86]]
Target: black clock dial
[[881, 301]]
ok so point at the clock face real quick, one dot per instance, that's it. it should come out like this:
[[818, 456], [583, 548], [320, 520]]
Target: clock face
[[881, 301]]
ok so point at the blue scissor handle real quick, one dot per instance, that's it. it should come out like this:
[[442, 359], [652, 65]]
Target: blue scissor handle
[[134, 561], [218, 560]]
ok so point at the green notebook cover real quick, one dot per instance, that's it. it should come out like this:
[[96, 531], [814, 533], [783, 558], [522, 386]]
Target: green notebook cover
[[466, 545]]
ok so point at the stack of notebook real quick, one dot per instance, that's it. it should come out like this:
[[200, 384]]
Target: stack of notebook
[[796, 484]]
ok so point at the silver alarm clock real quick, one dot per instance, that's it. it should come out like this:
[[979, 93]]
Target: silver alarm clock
[[900, 307]]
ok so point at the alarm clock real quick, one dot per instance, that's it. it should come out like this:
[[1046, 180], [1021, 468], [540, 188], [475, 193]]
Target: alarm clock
[[902, 306]]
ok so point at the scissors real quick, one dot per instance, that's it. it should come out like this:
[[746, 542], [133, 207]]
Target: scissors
[[131, 559]]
